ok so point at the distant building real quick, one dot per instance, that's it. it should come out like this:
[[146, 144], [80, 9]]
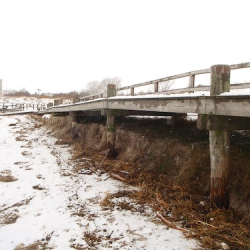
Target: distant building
[[1, 87]]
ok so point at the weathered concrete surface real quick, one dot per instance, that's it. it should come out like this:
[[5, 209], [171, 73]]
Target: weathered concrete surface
[[215, 105]]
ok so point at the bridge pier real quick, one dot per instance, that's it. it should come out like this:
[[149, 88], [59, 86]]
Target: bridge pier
[[176, 119], [74, 121], [219, 143], [110, 124]]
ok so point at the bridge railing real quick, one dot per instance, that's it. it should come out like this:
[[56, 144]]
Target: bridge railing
[[192, 88], [6, 106]]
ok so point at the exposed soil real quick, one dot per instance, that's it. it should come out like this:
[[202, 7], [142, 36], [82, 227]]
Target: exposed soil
[[172, 167]]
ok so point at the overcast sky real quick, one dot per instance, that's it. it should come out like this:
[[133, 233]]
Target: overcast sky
[[60, 45]]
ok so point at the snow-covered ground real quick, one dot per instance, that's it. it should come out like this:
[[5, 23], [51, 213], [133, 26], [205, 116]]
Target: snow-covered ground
[[52, 203]]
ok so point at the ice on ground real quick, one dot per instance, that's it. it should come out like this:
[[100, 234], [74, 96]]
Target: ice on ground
[[51, 203]]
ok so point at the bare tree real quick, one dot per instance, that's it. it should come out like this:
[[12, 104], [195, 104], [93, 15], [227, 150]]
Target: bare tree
[[110, 80], [83, 92], [95, 87], [165, 86]]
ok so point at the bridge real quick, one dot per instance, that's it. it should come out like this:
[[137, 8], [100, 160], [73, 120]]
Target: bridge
[[219, 113]]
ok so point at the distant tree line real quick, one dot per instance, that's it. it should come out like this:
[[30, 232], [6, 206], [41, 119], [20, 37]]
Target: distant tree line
[[92, 87], [17, 93]]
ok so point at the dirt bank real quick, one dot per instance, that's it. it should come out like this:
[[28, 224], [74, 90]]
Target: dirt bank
[[172, 165]]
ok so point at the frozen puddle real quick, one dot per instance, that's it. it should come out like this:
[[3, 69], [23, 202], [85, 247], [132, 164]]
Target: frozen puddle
[[53, 205]]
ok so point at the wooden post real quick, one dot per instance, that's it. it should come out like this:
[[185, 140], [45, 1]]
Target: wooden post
[[219, 143], [110, 123], [156, 87], [191, 82], [132, 91], [177, 119], [74, 122]]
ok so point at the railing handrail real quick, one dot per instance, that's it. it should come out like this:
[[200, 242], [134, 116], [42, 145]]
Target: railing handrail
[[173, 77]]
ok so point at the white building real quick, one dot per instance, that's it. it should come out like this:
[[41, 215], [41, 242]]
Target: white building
[[1, 87]]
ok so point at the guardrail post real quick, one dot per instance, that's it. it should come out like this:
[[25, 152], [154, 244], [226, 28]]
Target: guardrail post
[[219, 143], [110, 123]]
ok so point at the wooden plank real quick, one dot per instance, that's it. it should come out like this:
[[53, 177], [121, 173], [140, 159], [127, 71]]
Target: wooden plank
[[218, 122], [240, 66], [214, 105], [122, 112]]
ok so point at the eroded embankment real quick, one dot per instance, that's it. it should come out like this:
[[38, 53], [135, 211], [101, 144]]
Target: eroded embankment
[[172, 166], [151, 145]]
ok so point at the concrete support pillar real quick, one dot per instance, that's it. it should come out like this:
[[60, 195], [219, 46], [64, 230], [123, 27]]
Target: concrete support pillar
[[219, 143], [110, 124]]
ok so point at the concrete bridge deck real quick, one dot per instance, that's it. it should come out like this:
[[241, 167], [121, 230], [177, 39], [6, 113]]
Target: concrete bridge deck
[[210, 105]]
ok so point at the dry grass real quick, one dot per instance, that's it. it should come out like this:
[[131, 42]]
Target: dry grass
[[7, 178], [38, 187], [92, 239], [8, 218], [172, 168], [33, 246], [63, 141], [19, 138]]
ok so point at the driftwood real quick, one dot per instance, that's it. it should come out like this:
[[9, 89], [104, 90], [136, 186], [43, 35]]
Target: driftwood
[[170, 224], [206, 224], [161, 201], [116, 176]]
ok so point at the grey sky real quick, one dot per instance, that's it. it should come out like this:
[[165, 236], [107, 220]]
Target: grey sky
[[60, 45]]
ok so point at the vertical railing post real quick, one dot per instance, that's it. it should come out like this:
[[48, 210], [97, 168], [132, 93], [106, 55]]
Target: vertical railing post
[[191, 82], [219, 141], [132, 91], [156, 87]]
